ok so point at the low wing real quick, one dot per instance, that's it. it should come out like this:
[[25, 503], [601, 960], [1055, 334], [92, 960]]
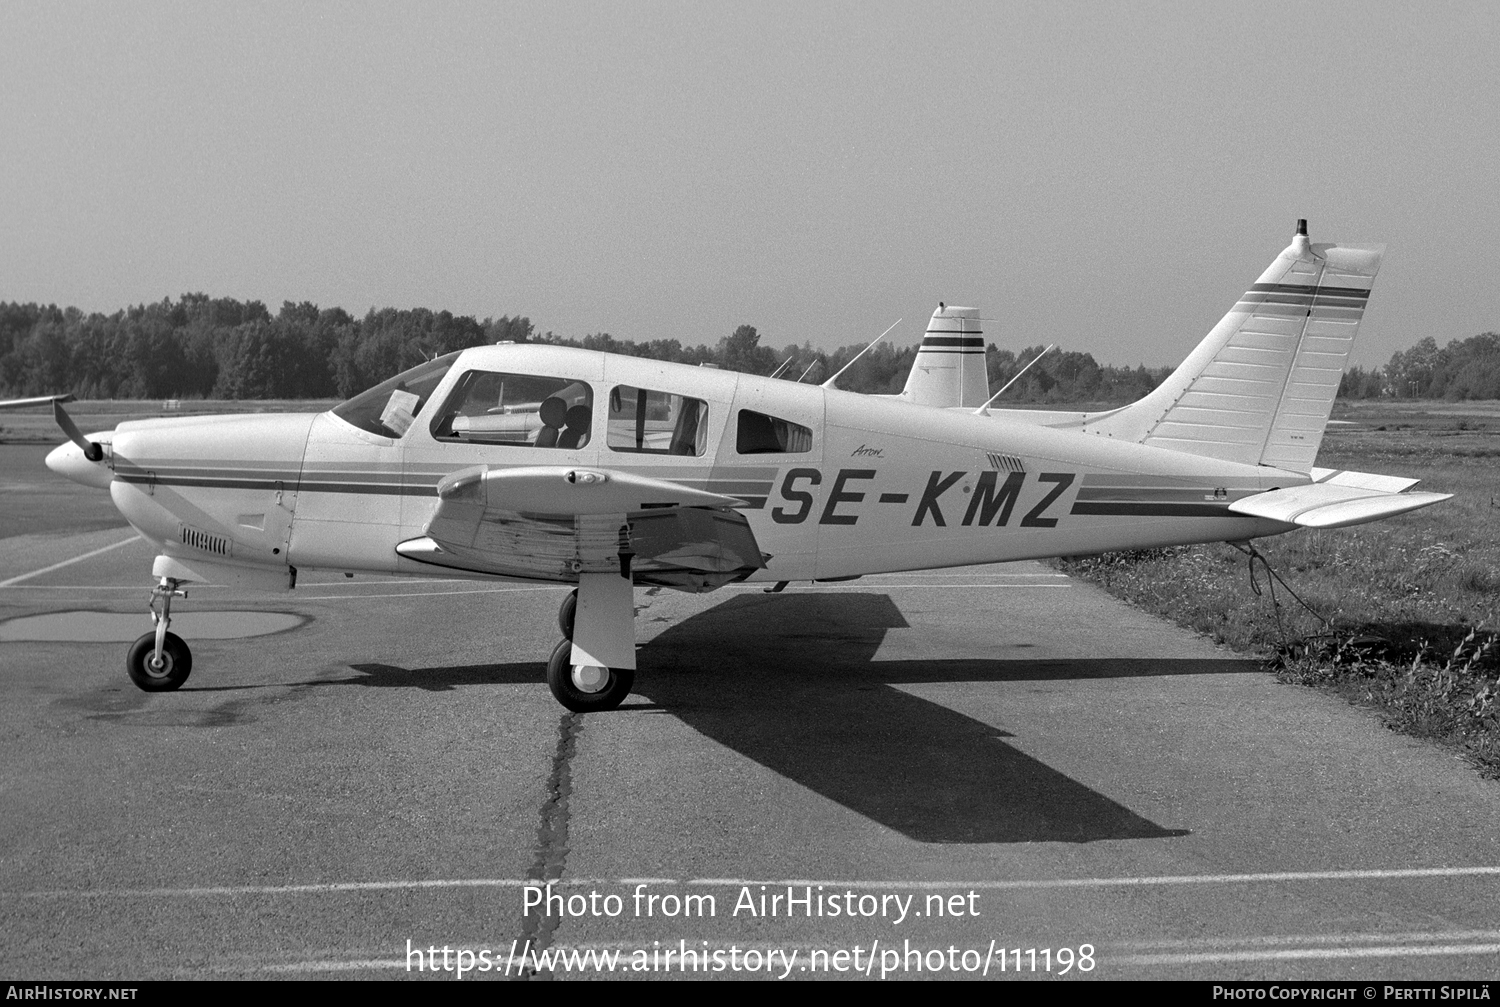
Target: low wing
[[1337, 499], [553, 523], [40, 400]]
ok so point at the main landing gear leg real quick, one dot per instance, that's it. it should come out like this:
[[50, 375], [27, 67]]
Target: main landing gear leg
[[594, 668], [567, 613], [160, 661]]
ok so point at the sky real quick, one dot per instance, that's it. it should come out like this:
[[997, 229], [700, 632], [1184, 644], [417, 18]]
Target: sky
[[1109, 177]]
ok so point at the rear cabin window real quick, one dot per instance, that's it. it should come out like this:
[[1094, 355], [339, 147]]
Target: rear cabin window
[[519, 410], [656, 423], [759, 434]]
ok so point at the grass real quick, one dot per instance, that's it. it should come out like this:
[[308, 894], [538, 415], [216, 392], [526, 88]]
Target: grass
[[1412, 604]]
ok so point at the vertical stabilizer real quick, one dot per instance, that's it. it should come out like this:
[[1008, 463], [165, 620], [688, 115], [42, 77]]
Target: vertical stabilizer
[[1260, 387], [950, 367]]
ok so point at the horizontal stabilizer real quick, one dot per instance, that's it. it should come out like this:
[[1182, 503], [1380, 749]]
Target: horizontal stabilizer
[[570, 491], [1330, 505]]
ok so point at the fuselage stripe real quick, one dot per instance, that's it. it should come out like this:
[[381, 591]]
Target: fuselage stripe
[[208, 478], [1121, 509], [287, 485]]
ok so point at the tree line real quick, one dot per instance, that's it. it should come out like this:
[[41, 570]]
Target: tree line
[[202, 347], [221, 348], [1464, 369]]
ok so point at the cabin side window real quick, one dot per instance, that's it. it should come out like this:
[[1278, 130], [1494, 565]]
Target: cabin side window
[[645, 421], [518, 410], [759, 434]]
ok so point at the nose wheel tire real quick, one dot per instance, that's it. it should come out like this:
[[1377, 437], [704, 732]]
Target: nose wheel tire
[[176, 663], [584, 689]]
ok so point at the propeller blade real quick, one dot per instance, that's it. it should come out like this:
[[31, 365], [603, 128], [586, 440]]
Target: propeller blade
[[91, 450]]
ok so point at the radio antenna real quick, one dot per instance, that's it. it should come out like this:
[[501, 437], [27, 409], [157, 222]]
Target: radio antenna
[[984, 410], [830, 382]]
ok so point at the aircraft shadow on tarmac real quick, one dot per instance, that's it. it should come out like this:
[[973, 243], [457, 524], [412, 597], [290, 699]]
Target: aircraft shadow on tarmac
[[389, 676], [790, 681]]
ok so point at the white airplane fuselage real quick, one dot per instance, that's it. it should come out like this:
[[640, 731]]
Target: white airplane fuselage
[[882, 486], [547, 464]]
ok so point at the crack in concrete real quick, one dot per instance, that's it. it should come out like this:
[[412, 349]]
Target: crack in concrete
[[551, 857]]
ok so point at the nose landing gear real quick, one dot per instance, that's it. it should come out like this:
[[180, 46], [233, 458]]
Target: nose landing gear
[[160, 661]]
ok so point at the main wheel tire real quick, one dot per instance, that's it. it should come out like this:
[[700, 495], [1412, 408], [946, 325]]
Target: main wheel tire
[[176, 663], [560, 680], [566, 614]]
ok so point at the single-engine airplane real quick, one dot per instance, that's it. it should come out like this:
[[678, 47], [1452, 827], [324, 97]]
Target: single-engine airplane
[[548, 464]]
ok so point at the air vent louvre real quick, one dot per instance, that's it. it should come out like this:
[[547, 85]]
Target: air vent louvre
[[216, 544], [1005, 463]]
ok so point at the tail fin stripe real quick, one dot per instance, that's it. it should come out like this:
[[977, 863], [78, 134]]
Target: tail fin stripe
[[1310, 289], [1304, 300], [1301, 300], [949, 370], [1293, 300], [952, 341]]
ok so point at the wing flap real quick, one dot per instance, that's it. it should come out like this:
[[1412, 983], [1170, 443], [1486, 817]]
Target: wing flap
[[554, 524], [1331, 505]]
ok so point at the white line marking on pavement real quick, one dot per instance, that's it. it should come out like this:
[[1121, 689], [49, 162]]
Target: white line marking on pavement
[[1289, 954], [1230, 943], [1014, 577], [1170, 879], [1406, 949], [313, 889], [569, 587], [309, 586], [332, 966], [66, 562], [881, 585], [433, 594], [353, 582], [498, 959], [485, 590], [94, 587]]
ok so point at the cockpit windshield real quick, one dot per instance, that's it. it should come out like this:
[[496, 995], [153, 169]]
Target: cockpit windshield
[[389, 408]]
